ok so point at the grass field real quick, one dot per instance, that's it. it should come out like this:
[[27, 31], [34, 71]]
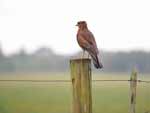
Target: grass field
[[108, 97]]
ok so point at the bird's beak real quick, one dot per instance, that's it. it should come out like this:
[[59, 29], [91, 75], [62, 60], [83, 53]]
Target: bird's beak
[[76, 24]]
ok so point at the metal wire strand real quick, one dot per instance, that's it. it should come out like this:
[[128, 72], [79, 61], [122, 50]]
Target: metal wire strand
[[97, 80]]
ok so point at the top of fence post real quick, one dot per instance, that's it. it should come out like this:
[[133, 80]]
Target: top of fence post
[[133, 74]]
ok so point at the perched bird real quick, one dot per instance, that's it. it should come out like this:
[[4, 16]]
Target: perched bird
[[87, 42]]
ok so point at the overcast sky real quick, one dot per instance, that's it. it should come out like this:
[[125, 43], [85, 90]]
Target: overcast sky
[[116, 24]]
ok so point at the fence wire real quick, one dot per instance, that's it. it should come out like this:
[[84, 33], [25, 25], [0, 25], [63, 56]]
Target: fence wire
[[97, 80]]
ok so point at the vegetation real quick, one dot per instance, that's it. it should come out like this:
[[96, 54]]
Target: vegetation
[[109, 97], [45, 60]]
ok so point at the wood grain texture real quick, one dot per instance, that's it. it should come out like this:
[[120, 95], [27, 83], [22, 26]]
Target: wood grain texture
[[133, 85], [81, 82]]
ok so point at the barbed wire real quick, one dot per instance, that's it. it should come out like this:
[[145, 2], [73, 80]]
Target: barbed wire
[[97, 80]]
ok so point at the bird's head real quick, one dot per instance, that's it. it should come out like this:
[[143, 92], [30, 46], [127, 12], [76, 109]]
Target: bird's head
[[82, 24]]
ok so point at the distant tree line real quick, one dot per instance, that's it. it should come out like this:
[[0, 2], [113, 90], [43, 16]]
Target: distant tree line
[[125, 61], [45, 60]]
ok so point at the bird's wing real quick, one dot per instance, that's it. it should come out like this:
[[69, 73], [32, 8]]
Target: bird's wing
[[88, 41], [82, 42]]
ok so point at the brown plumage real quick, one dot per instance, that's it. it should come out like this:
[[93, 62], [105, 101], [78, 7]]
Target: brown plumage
[[87, 42]]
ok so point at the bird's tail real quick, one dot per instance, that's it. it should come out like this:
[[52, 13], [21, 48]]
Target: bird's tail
[[96, 61]]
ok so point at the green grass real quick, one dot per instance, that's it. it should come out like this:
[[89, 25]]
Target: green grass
[[108, 97]]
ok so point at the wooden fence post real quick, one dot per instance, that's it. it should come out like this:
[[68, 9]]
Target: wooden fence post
[[81, 81], [133, 85]]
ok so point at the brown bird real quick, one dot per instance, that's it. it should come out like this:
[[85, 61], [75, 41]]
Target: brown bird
[[87, 42]]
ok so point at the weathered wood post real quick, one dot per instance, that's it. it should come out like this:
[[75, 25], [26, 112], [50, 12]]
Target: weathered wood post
[[81, 81], [133, 85]]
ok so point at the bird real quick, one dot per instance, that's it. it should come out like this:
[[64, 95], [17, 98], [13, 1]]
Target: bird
[[86, 41]]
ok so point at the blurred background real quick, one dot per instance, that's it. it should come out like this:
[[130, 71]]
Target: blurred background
[[40, 35], [38, 39], [45, 59]]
